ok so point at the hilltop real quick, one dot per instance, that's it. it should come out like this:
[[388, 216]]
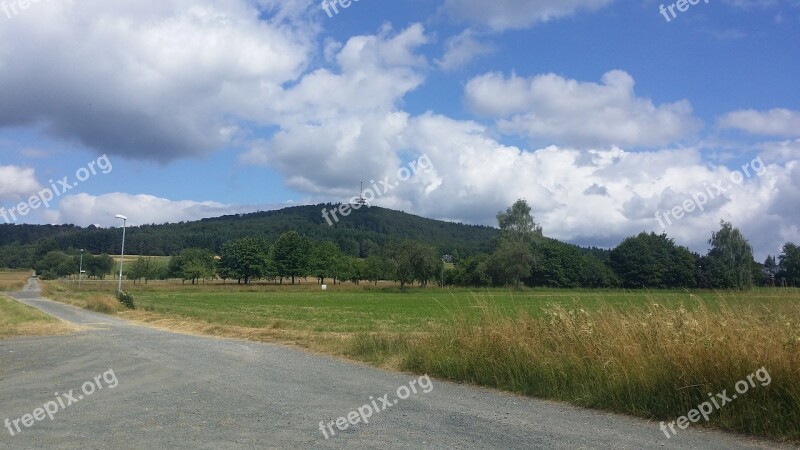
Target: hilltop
[[363, 232]]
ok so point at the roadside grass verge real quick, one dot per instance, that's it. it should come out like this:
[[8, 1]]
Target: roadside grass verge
[[655, 355], [13, 280], [17, 319], [91, 300], [649, 361]]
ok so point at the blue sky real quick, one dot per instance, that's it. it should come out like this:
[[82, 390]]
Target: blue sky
[[606, 117]]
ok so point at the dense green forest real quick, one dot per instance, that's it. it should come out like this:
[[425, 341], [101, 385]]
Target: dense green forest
[[363, 233]]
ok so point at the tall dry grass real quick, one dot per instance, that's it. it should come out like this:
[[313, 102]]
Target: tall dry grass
[[13, 280], [92, 300], [650, 361], [106, 304]]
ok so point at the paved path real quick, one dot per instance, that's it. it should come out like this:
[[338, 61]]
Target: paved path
[[163, 390]]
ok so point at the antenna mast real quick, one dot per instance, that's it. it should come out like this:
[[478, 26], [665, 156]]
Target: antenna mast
[[361, 200]]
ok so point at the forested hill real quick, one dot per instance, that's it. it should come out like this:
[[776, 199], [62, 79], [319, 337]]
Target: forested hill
[[362, 233]]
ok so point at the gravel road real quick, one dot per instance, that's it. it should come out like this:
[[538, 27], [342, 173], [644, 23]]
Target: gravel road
[[163, 390]]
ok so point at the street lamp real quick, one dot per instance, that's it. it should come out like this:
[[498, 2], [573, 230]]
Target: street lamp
[[122, 254], [80, 271]]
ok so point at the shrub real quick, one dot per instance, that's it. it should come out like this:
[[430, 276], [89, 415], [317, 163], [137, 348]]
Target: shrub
[[126, 298]]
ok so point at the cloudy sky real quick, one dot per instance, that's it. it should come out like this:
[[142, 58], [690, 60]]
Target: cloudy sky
[[610, 117]]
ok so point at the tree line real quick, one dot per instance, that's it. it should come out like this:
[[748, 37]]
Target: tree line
[[522, 255], [292, 257], [519, 255]]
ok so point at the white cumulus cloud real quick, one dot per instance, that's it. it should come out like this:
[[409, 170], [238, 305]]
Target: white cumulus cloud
[[17, 182], [146, 78], [775, 122], [501, 15], [86, 209], [462, 49], [571, 112]]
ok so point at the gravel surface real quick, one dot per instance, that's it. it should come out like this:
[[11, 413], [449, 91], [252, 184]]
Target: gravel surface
[[163, 390]]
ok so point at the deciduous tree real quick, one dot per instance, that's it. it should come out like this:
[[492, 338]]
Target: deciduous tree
[[245, 259], [513, 258], [192, 264], [790, 264], [142, 268], [653, 261], [324, 259], [291, 255], [730, 259]]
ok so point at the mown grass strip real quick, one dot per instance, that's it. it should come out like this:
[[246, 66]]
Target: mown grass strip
[[17, 319]]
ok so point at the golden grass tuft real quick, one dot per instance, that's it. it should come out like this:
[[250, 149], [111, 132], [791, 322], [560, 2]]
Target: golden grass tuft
[[106, 304]]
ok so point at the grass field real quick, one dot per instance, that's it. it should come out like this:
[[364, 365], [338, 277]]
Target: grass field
[[652, 354], [17, 319], [163, 260]]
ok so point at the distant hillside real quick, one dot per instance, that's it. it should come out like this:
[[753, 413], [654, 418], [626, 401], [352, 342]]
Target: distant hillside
[[362, 233]]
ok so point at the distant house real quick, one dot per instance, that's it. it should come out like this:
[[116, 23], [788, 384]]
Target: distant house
[[448, 259]]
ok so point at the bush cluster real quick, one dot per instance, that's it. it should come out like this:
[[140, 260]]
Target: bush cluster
[[126, 298]]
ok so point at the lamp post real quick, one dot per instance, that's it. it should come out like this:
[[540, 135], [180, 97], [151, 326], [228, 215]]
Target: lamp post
[[122, 253], [80, 271]]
